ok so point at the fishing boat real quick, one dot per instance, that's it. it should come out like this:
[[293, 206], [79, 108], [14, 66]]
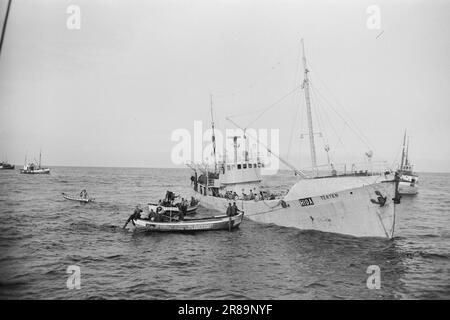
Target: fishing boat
[[408, 179], [77, 198], [6, 166], [222, 222], [358, 202], [32, 168]]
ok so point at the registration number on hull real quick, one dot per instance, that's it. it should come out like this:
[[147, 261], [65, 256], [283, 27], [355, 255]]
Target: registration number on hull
[[306, 202]]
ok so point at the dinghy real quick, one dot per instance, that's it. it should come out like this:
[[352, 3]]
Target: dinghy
[[77, 198], [222, 222]]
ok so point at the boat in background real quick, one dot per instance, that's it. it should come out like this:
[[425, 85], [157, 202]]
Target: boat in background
[[6, 166], [77, 198], [409, 180], [32, 168]]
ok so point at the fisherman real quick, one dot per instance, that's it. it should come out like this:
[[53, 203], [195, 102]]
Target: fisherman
[[234, 209], [229, 210], [193, 202], [182, 209], [136, 215], [251, 196], [83, 194]]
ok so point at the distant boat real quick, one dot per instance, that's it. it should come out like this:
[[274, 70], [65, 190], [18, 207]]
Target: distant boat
[[77, 198], [32, 168], [6, 166], [409, 180]]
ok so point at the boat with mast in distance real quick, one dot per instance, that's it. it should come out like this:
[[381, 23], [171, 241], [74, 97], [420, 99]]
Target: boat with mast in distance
[[6, 166], [359, 202], [32, 168], [408, 179]]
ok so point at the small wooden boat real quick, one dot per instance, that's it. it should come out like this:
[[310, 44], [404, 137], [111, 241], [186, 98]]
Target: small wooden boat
[[77, 198], [171, 209], [222, 222]]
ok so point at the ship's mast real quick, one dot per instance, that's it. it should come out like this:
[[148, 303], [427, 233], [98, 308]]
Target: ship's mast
[[403, 152], [5, 21], [39, 159], [213, 136], [407, 151], [308, 110]]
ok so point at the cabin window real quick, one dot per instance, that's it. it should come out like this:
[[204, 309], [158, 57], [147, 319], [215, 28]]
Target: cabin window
[[262, 165], [239, 166], [259, 165], [245, 166], [254, 165], [228, 167], [249, 165]]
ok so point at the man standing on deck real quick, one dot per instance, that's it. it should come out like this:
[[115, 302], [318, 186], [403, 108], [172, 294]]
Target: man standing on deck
[[229, 210], [234, 209]]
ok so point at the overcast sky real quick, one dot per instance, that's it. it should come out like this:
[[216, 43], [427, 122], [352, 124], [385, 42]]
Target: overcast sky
[[112, 93]]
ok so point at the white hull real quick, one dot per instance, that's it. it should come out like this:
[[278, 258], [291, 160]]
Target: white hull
[[406, 188], [339, 205]]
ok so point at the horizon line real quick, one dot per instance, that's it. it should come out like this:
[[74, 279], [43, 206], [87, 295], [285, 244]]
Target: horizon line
[[174, 167]]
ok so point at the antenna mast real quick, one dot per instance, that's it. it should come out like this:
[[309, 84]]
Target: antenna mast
[[403, 152], [213, 136], [305, 86]]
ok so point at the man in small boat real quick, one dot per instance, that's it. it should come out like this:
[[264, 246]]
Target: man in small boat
[[83, 194], [235, 210], [182, 209], [193, 202], [136, 215], [229, 210]]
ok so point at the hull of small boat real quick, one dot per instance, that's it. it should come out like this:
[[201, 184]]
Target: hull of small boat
[[78, 199], [6, 167], [191, 225], [37, 171], [356, 206]]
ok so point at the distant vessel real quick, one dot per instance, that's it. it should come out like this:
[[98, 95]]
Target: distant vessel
[[408, 179], [4, 165], [32, 168], [77, 198], [355, 202]]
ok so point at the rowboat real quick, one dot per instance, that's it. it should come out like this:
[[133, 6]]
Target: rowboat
[[222, 222], [77, 198], [171, 209]]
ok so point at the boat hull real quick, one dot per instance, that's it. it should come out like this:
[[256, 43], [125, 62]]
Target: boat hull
[[406, 188], [73, 198], [193, 225], [38, 171], [351, 210]]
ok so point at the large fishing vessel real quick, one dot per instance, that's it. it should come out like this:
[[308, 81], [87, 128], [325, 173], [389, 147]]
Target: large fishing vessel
[[408, 179], [32, 168], [357, 202]]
